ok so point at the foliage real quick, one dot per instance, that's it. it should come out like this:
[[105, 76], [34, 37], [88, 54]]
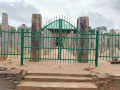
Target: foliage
[[27, 29], [12, 29], [102, 28], [91, 30], [19, 28]]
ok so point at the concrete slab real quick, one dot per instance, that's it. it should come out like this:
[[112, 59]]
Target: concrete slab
[[53, 85], [57, 79]]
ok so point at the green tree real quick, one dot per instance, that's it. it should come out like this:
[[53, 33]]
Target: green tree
[[27, 29], [102, 28], [12, 29], [91, 30]]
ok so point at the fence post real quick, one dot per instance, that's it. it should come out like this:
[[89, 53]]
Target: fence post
[[22, 45], [96, 51]]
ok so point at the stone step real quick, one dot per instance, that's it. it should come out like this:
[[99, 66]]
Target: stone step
[[57, 79], [57, 74], [27, 85], [8, 78]]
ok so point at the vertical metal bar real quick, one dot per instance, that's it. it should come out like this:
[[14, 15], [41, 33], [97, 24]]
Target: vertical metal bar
[[109, 47], [96, 52], [64, 41], [17, 42], [89, 46], [56, 38], [22, 45], [103, 46], [68, 44], [60, 37], [7, 42], [118, 44], [25, 45], [112, 44], [35, 40], [49, 50], [106, 46], [1, 43], [92, 41], [4, 45], [14, 43], [71, 43], [46, 46], [11, 43], [115, 45], [38, 47], [28, 43], [74, 45], [53, 39], [45, 41], [62, 32]]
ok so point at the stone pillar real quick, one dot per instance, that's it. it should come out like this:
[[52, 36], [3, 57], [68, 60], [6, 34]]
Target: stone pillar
[[5, 38], [36, 42], [83, 25], [112, 41], [101, 41]]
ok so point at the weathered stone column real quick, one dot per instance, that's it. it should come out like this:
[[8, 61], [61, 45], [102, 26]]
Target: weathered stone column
[[101, 41], [35, 41], [83, 25], [5, 38], [112, 41]]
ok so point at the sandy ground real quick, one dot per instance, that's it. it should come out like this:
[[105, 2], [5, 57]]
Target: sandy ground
[[104, 66]]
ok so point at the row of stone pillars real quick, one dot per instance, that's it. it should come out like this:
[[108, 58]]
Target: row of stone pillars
[[82, 25]]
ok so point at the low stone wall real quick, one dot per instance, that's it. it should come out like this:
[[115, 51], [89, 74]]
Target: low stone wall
[[10, 78], [107, 82]]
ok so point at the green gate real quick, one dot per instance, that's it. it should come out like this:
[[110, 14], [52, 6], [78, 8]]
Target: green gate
[[59, 41]]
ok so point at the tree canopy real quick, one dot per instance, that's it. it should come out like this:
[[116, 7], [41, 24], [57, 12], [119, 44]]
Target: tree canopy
[[91, 30], [27, 29], [12, 29], [102, 28]]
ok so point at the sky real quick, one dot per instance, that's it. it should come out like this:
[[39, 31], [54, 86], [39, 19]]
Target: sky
[[100, 12]]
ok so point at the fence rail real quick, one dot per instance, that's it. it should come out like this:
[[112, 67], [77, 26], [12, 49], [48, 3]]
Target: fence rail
[[19, 43]]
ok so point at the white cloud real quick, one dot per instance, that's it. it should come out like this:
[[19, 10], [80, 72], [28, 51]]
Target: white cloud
[[101, 12], [18, 13], [10, 1]]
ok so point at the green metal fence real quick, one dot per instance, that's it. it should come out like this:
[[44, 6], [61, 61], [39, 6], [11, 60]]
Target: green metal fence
[[109, 47], [9, 46], [59, 41]]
